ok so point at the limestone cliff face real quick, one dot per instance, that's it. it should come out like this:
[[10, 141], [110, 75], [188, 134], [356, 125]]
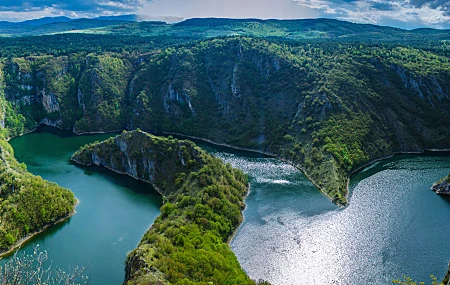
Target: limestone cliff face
[[442, 186], [145, 157], [49, 101]]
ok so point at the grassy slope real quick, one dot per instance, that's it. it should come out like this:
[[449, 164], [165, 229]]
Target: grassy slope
[[187, 244]]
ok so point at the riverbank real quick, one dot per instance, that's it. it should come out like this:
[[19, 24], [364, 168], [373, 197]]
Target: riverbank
[[24, 240], [353, 172], [272, 155], [362, 167]]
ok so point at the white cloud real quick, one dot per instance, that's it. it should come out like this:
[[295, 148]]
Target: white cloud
[[323, 5], [25, 15], [401, 12]]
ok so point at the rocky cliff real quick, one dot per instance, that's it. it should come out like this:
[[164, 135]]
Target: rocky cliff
[[442, 186], [145, 157], [203, 199]]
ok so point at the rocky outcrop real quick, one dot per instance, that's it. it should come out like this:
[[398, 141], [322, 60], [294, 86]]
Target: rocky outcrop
[[144, 157], [442, 186], [49, 101]]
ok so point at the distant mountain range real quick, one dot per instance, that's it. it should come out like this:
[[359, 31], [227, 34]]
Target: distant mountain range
[[63, 19], [198, 28], [50, 25]]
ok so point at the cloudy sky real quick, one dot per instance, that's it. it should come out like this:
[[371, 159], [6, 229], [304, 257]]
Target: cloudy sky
[[399, 13]]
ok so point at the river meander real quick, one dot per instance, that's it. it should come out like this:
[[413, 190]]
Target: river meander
[[292, 234]]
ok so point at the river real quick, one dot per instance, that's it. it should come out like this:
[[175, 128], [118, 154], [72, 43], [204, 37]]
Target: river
[[291, 234], [113, 214]]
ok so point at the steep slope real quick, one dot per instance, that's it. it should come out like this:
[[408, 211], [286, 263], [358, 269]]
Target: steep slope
[[203, 201], [446, 280], [327, 108]]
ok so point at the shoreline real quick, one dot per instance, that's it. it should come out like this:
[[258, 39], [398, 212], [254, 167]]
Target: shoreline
[[25, 133], [367, 164], [223, 144], [93, 133], [272, 155], [230, 239], [24, 240]]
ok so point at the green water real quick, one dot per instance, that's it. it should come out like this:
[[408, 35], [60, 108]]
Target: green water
[[291, 234], [113, 214]]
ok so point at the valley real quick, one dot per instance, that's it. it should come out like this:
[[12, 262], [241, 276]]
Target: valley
[[327, 97]]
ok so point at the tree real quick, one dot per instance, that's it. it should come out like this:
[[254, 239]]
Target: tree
[[31, 269]]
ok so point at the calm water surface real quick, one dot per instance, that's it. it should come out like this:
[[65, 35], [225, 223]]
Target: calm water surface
[[292, 234], [394, 225], [113, 214]]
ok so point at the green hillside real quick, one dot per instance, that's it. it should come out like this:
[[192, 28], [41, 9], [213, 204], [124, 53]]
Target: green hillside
[[187, 244], [327, 108]]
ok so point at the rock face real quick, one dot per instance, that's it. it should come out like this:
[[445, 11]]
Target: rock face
[[187, 243], [144, 157], [442, 186]]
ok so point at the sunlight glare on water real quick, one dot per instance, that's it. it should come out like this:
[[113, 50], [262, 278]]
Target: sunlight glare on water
[[394, 224]]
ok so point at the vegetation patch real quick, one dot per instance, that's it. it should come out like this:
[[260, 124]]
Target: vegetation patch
[[203, 200]]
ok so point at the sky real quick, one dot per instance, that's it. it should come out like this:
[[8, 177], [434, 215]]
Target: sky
[[399, 13]]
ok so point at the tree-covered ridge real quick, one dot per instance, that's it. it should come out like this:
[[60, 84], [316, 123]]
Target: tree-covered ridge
[[146, 157], [326, 107], [202, 28], [187, 244]]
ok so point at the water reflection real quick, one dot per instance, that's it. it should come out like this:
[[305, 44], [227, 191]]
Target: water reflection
[[394, 225]]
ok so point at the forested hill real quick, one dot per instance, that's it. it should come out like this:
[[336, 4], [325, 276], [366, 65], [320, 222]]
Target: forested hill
[[202, 28], [327, 107]]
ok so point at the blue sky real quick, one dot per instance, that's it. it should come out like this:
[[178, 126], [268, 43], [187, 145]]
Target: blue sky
[[399, 13]]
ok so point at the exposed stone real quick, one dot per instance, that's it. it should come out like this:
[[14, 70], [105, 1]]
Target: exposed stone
[[442, 186]]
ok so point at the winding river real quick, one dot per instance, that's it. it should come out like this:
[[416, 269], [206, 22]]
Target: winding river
[[292, 234]]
